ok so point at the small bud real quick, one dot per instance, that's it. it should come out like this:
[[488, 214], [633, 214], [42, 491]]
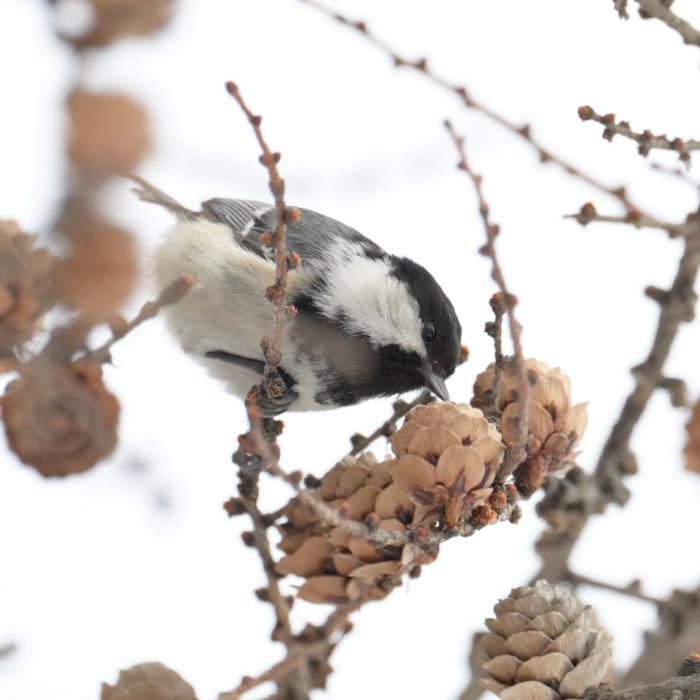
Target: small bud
[[372, 521], [585, 113], [248, 538], [262, 594], [312, 482], [294, 259], [291, 215], [256, 120], [234, 506]]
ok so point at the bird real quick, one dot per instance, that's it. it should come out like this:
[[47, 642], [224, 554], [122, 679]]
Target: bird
[[368, 324]]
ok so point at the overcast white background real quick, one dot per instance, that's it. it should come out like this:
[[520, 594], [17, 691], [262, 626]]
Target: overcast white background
[[136, 560]]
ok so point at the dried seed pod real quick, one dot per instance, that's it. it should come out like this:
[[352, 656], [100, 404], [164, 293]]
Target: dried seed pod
[[60, 419], [555, 426], [151, 681], [447, 457], [543, 644], [25, 287]]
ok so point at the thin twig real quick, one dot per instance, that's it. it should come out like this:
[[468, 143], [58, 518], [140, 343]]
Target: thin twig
[[388, 427], [656, 9], [173, 293], [495, 330], [273, 383], [621, 7], [588, 214], [646, 140], [633, 590], [248, 489], [524, 131], [516, 453], [606, 484], [291, 662]]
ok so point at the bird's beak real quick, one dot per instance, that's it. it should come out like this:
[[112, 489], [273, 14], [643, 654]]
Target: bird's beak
[[435, 383]]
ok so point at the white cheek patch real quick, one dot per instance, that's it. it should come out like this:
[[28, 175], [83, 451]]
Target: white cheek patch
[[369, 299]]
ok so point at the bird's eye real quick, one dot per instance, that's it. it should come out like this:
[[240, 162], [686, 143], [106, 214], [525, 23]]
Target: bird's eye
[[429, 332]]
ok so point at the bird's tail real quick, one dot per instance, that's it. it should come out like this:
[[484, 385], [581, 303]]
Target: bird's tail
[[148, 193]]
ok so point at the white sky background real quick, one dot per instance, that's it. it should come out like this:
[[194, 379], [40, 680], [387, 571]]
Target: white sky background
[[96, 574]]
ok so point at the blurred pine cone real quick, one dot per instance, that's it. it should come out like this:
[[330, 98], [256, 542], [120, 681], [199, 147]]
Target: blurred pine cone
[[543, 645], [117, 18], [101, 270], [60, 419], [25, 287], [339, 568], [447, 458], [109, 133], [555, 425], [150, 681]]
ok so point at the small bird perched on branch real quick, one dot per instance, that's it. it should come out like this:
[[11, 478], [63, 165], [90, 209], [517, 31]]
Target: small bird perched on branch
[[368, 323]]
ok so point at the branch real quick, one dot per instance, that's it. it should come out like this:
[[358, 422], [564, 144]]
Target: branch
[[569, 502], [523, 131], [646, 140], [175, 291], [388, 427], [249, 491], [422, 537], [621, 7], [588, 214], [633, 590], [677, 307], [273, 384], [684, 686], [660, 9], [516, 453]]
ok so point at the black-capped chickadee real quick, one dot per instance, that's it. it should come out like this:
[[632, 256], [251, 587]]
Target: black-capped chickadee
[[368, 323]]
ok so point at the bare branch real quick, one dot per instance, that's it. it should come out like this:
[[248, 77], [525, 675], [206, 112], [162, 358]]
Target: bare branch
[[588, 214], [661, 10], [273, 383], [621, 7], [175, 291], [524, 131], [684, 686], [516, 453], [646, 140]]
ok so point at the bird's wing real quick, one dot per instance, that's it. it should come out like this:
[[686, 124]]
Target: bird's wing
[[311, 236], [149, 193]]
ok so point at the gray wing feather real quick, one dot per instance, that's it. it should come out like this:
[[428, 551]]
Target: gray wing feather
[[310, 237], [149, 193], [239, 214], [313, 234]]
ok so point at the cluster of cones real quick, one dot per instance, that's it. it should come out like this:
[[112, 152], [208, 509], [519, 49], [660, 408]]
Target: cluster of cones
[[58, 415], [442, 476]]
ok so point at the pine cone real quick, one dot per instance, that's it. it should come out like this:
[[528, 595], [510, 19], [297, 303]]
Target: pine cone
[[339, 568], [60, 419], [25, 290], [555, 425], [110, 133], [543, 645], [448, 455], [116, 18], [151, 681]]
